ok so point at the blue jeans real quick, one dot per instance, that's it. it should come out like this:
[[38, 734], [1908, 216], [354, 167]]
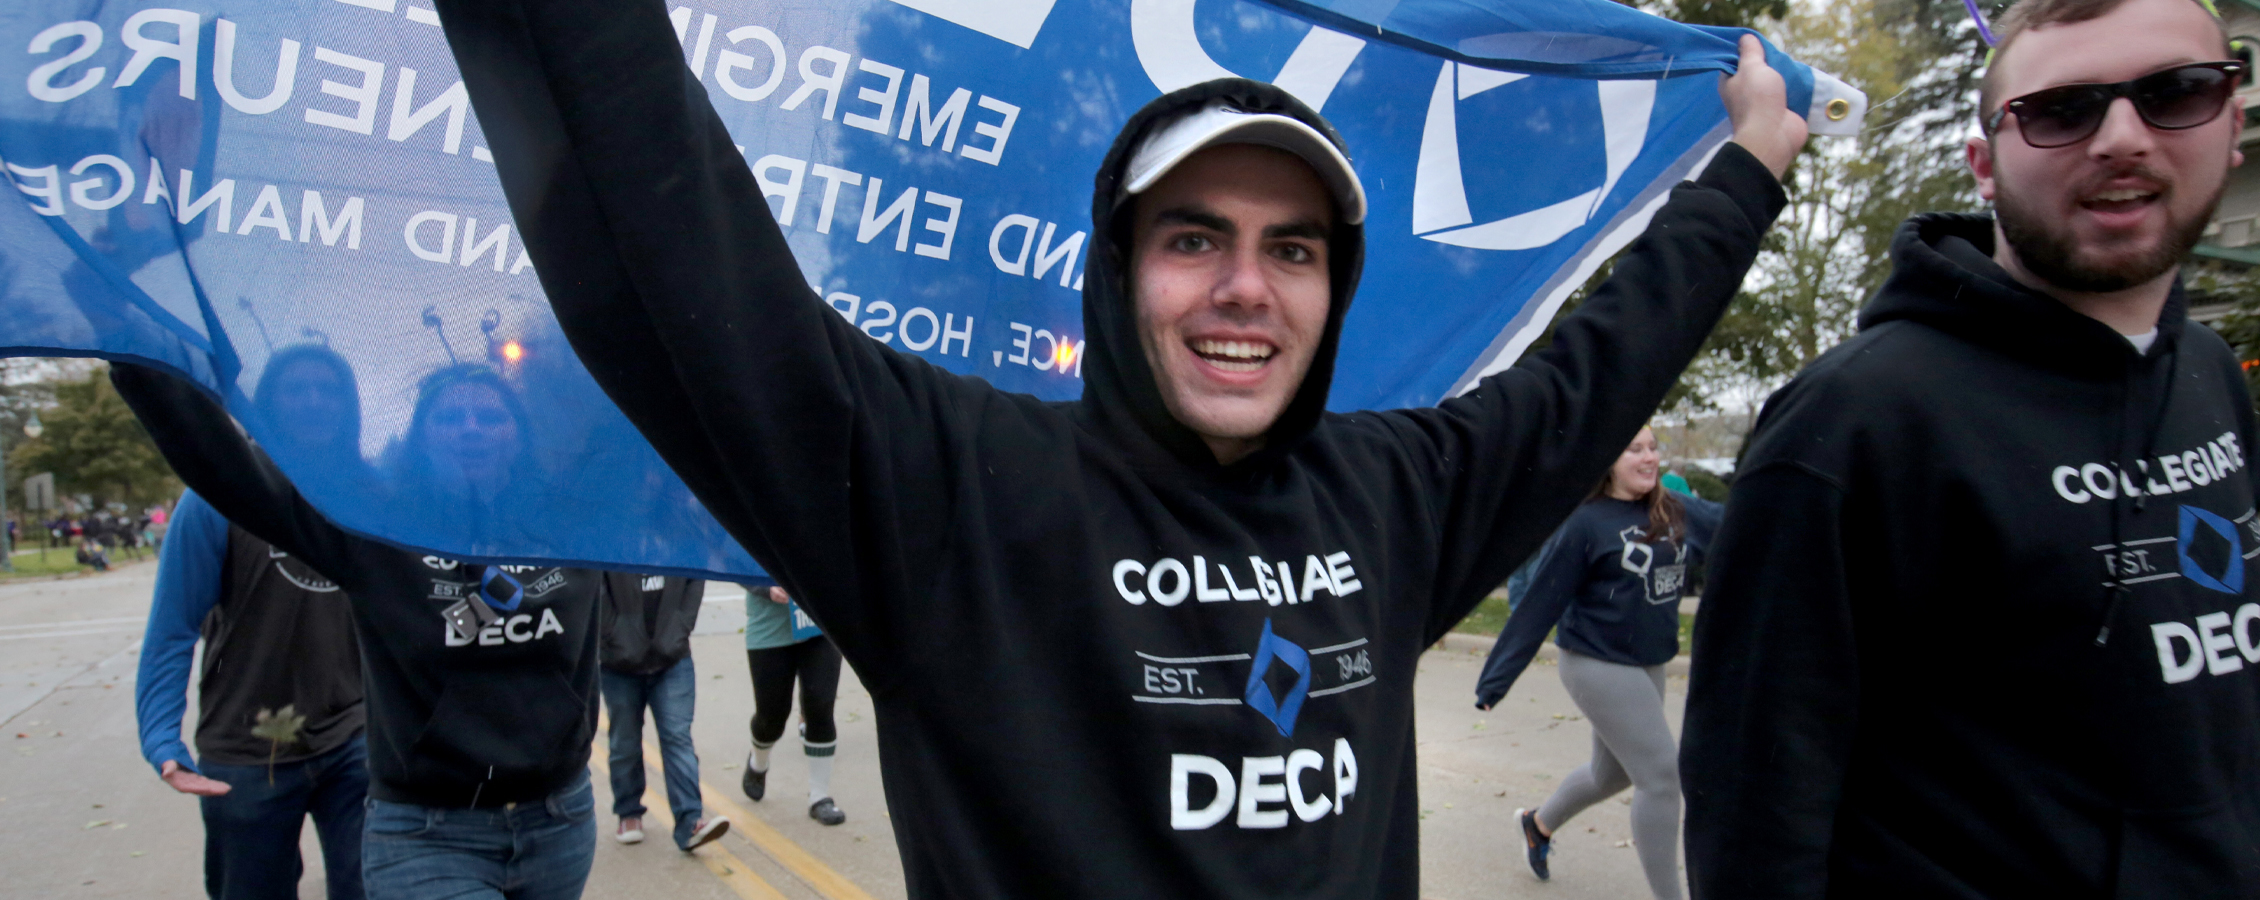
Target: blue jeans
[[251, 832], [672, 695], [536, 850]]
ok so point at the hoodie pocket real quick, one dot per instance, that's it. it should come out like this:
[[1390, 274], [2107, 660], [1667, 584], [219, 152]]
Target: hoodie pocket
[[2208, 852], [508, 731]]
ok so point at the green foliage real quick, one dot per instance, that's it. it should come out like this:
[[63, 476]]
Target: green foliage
[[2241, 327], [1733, 13], [280, 728], [1918, 61], [1487, 618], [47, 563], [95, 446], [1702, 483]]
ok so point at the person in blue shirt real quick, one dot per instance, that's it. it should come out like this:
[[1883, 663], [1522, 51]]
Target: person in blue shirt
[[1611, 581], [279, 646], [279, 642]]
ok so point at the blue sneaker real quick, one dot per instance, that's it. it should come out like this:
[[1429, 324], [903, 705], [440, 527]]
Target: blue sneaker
[[1536, 847]]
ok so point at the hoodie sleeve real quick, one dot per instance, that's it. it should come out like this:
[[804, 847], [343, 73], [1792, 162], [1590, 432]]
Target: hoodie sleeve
[[1702, 520], [189, 569], [1771, 697], [206, 449], [1552, 589], [669, 275], [1512, 457]]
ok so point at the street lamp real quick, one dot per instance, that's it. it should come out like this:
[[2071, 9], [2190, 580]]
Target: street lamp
[[32, 429]]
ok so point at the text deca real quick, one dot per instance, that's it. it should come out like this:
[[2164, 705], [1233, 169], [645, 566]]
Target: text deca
[[2213, 646], [1168, 582], [514, 630], [1268, 787]]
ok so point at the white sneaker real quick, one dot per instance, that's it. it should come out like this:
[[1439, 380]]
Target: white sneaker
[[707, 831], [630, 831]]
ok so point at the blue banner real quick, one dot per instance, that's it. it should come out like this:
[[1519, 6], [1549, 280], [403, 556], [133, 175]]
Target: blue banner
[[291, 202]]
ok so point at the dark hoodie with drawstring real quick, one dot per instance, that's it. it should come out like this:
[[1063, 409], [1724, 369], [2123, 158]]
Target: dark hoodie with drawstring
[[1103, 664], [1981, 616], [479, 681]]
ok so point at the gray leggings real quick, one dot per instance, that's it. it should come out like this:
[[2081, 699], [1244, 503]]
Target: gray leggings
[[1632, 746]]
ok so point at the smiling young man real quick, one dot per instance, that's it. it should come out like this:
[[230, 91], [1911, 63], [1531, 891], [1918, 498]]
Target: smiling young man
[[1156, 642], [1980, 620]]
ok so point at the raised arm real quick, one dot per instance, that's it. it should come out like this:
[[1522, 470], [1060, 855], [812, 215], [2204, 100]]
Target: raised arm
[[677, 289], [208, 451], [1514, 455]]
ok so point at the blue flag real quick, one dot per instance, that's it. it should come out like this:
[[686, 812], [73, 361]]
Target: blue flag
[[291, 203]]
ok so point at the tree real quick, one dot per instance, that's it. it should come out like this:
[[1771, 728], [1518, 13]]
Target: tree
[[1918, 61], [94, 445]]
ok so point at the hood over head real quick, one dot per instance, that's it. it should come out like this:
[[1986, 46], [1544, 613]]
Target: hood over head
[[1943, 275], [1119, 391]]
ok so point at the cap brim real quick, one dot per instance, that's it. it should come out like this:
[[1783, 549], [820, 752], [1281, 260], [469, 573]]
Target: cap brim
[[1218, 124]]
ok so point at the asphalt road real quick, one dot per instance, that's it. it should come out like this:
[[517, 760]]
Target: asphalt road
[[82, 816]]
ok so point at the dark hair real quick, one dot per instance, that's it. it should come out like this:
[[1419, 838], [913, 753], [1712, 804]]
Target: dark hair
[[428, 392], [2026, 15], [348, 443], [1667, 517]]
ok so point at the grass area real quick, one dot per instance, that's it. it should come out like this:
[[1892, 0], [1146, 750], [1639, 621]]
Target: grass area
[[1491, 615], [62, 561], [1488, 617]]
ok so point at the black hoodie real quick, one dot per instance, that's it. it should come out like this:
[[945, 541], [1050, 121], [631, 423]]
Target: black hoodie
[[1980, 621], [647, 621], [470, 703], [1075, 624]]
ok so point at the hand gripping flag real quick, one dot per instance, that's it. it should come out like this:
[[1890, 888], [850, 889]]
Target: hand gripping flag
[[290, 202]]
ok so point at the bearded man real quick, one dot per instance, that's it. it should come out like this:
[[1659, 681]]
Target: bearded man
[[1981, 621]]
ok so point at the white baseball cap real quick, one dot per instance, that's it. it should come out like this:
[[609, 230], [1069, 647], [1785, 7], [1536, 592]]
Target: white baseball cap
[[1218, 123]]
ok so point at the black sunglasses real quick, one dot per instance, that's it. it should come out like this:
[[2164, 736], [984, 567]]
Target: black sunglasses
[[2171, 100]]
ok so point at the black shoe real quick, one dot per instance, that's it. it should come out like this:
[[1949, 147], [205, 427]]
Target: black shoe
[[755, 783], [1535, 846], [827, 812]]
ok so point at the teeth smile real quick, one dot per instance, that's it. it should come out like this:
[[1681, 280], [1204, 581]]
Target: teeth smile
[[2118, 195], [1235, 356]]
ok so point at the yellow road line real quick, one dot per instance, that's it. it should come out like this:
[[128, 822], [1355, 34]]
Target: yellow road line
[[717, 859], [827, 882], [819, 877]]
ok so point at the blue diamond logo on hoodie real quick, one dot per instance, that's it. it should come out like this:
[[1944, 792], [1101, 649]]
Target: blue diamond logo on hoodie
[[2231, 578], [500, 590], [1280, 710]]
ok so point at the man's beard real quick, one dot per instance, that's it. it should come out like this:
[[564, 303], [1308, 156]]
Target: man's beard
[[2048, 249]]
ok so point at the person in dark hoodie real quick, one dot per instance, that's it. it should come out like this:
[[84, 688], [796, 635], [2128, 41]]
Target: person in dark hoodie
[[480, 680], [1981, 619], [647, 665], [1156, 642], [1611, 579]]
